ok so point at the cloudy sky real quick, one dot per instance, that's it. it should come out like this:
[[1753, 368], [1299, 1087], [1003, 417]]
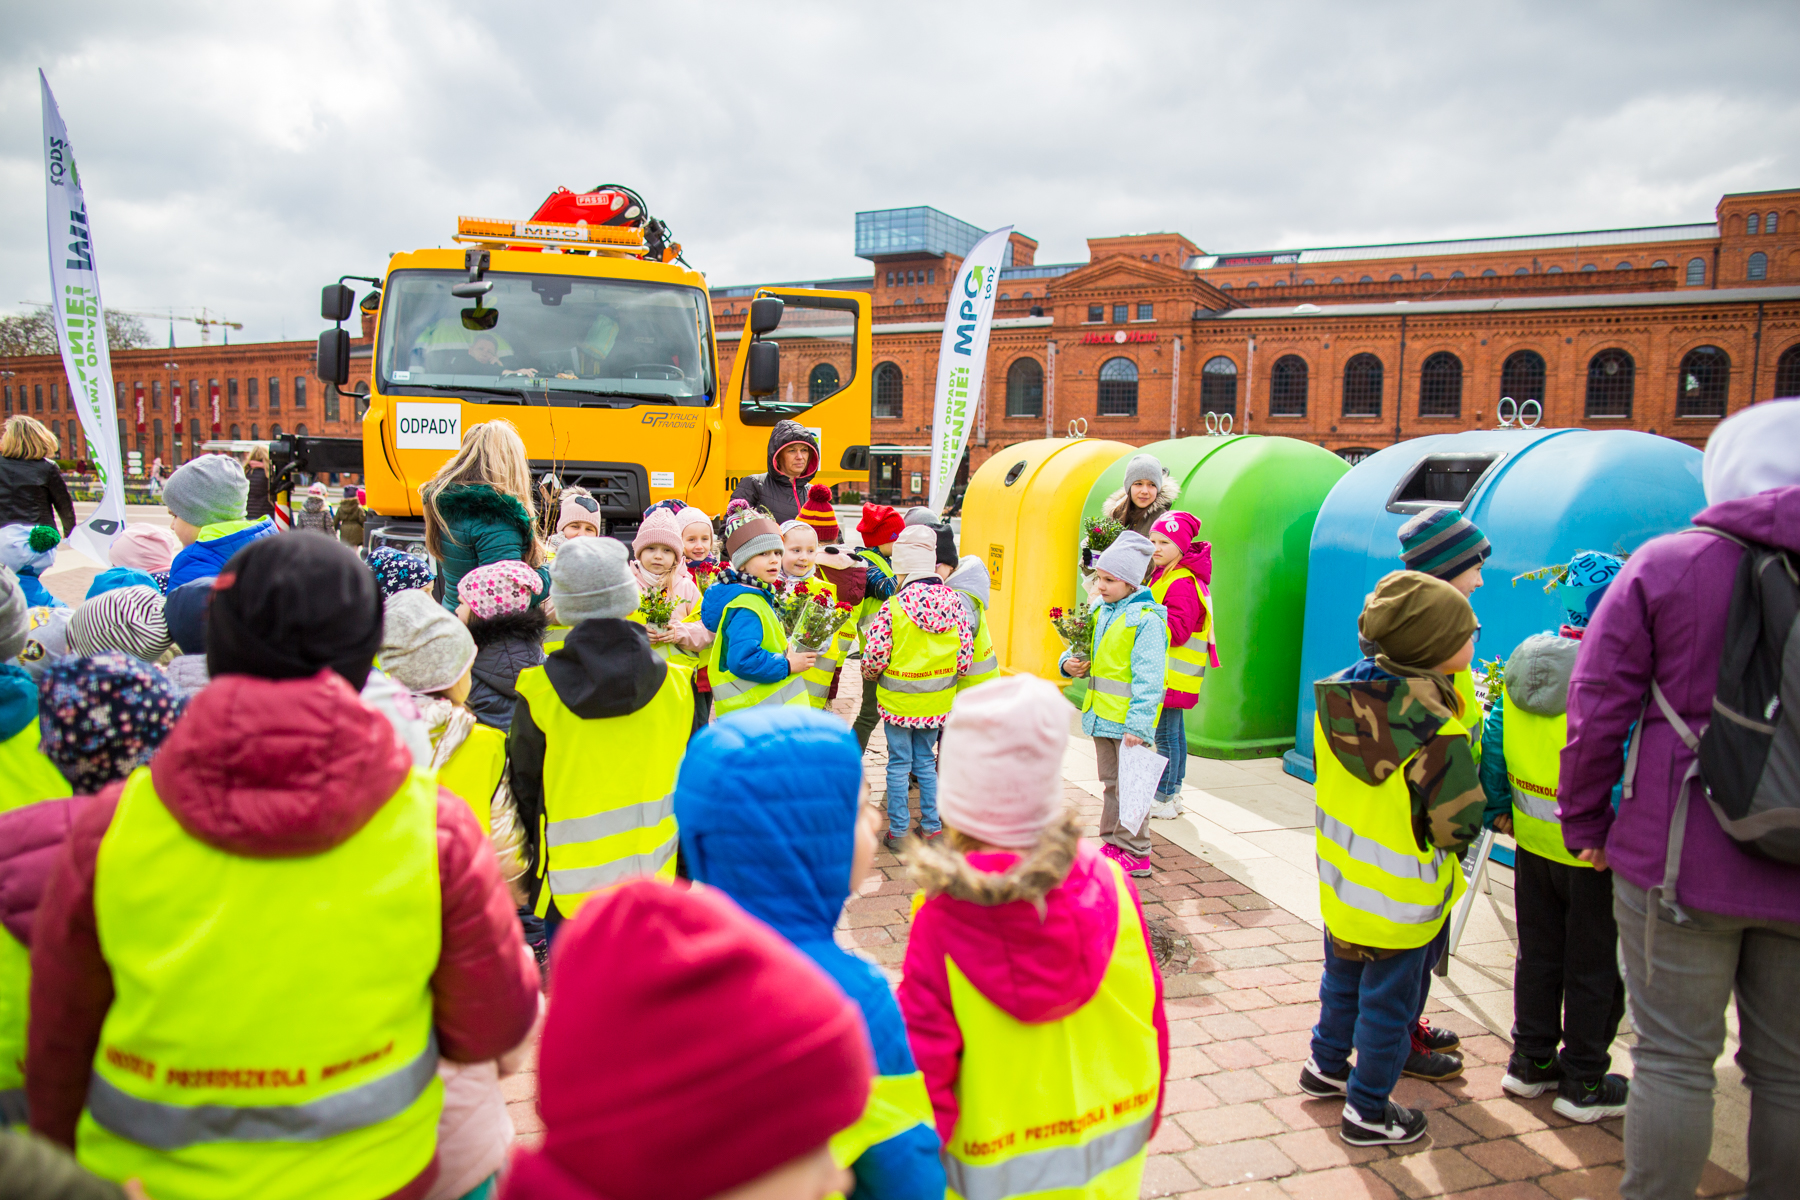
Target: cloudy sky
[[238, 156]]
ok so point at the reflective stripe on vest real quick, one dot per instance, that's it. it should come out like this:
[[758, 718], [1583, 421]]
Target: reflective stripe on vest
[[1533, 747], [896, 1104], [733, 694], [1109, 674], [920, 680], [608, 784], [271, 1028], [26, 776], [1185, 667], [1377, 888], [871, 603], [987, 664], [1081, 1128]]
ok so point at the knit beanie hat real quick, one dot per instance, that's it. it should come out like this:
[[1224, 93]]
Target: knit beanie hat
[[1144, 467], [15, 616], [1128, 558], [423, 646], [29, 549], [146, 547], [101, 718], [316, 489], [397, 571], [915, 552], [879, 525], [1416, 622], [692, 516], [920, 515], [1442, 542], [748, 533], [660, 528], [46, 639], [1000, 766], [1752, 451], [591, 577], [114, 578], [1179, 527], [207, 490], [818, 513], [738, 1045], [499, 587], [788, 527], [946, 545], [288, 607], [1585, 580], [128, 619], [184, 612], [578, 506]]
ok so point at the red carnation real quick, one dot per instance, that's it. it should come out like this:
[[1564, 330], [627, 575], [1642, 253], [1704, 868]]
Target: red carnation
[[1055, 612], [820, 600]]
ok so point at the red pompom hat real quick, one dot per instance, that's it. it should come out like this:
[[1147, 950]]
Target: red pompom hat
[[879, 525], [818, 513]]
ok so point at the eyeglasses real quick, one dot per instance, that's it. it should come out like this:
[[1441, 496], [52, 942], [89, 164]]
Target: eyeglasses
[[1476, 636]]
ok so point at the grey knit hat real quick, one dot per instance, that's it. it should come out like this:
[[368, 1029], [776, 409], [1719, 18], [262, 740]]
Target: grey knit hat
[[1144, 466], [128, 619], [207, 490], [920, 515], [1128, 557], [423, 646], [591, 577], [15, 616]]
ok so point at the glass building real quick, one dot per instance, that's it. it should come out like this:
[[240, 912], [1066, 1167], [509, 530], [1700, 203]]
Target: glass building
[[887, 232]]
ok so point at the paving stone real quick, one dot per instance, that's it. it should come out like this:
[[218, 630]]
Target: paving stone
[[1590, 1183], [1485, 1048], [1251, 956], [1300, 1111], [1225, 887], [1234, 939], [1170, 1138], [1323, 1149], [1190, 1095], [1508, 1159], [1478, 1083], [1227, 1025], [1188, 1033], [1240, 1087], [1497, 1118], [1576, 1146], [1343, 1183], [1293, 993], [1417, 1093], [1237, 1055], [1287, 1018], [1265, 978], [1165, 1175], [1239, 1162], [1446, 1130], [1263, 1190], [1432, 1172], [1192, 1006], [1232, 1123], [1186, 1062], [1244, 999], [1287, 1047], [1263, 916], [1503, 1191], [524, 1117], [1313, 951], [522, 1086]]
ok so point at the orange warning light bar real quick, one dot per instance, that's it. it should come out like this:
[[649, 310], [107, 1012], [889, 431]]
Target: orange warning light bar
[[547, 233]]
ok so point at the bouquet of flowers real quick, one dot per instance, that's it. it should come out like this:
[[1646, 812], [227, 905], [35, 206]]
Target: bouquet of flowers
[[1096, 536], [787, 599], [658, 608], [1075, 626], [817, 623], [1489, 682], [705, 572]]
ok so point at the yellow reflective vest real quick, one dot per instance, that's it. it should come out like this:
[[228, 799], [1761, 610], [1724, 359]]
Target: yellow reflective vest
[[920, 677], [270, 1033], [474, 771], [987, 663], [1533, 745], [26, 777], [1109, 675], [1470, 716], [609, 789], [733, 694], [896, 1104], [1063, 1108], [1377, 888], [825, 668], [1186, 666], [879, 564]]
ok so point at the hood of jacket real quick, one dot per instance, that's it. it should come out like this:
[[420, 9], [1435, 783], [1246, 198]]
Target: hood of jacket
[[504, 646], [606, 668], [1771, 517], [1374, 721], [188, 672], [932, 606], [315, 504], [1119, 503], [31, 840], [278, 768], [971, 579], [1537, 673], [461, 503], [1198, 559], [716, 597], [18, 700], [210, 552], [1036, 964], [790, 433]]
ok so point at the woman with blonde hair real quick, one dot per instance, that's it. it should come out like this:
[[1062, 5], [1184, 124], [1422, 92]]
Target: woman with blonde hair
[[32, 490], [258, 504], [478, 508]]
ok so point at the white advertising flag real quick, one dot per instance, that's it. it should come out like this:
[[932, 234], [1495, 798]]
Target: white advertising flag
[[81, 330], [962, 359]]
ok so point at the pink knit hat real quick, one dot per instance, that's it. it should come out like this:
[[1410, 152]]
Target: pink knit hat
[[577, 507], [146, 547], [915, 552], [692, 516], [500, 587], [1000, 763], [660, 528], [1179, 527]]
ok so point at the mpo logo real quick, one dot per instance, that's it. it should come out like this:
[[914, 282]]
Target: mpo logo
[[669, 420]]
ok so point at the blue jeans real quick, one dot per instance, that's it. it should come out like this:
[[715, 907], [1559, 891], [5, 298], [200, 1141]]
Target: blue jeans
[[911, 752], [1171, 743], [1372, 1006]]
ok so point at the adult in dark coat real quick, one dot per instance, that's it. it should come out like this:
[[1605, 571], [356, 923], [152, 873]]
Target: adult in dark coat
[[793, 461], [32, 491]]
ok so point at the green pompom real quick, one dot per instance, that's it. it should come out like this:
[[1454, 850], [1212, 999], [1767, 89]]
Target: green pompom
[[43, 538]]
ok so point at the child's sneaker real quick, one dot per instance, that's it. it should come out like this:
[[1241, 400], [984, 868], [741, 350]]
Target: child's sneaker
[[1166, 810], [1432, 1066], [1397, 1126], [1317, 1082], [894, 842], [1429, 1037], [1128, 862], [1590, 1102], [1529, 1079]]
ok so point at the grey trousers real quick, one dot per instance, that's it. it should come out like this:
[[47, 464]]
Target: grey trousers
[[1679, 1015], [1106, 758]]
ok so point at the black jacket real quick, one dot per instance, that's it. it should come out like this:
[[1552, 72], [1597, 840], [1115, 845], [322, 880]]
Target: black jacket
[[32, 492], [257, 504], [773, 490], [504, 646]]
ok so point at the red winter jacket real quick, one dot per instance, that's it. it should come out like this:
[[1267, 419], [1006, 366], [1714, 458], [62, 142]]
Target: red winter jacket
[[1188, 602], [267, 769]]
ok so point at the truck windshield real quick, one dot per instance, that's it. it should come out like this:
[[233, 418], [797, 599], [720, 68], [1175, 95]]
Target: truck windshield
[[569, 340]]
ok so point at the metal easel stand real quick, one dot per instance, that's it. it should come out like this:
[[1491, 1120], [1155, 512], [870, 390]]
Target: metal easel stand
[[1475, 871]]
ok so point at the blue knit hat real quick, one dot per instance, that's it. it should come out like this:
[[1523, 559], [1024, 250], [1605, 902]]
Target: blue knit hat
[[396, 571], [1588, 576], [1443, 543], [114, 578]]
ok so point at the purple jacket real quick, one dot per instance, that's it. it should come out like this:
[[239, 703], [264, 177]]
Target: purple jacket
[[31, 840], [1666, 614]]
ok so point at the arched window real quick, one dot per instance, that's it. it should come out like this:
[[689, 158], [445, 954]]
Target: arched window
[[1589, 267], [1425, 275], [1027, 296], [300, 431], [890, 391], [1609, 384], [1752, 224], [1523, 271], [1362, 386], [1306, 283], [236, 434], [1759, 266], [1287, 387], [1440, 386], [1006, 295], [1624, 266], [1218, 386], [821, 382], [1522, 376], [1769, 223], [1554, 271], [1025, 388], [1702, 384], [1337, 279], [1489, 271], [254, 435], [1396, 277], [274, 432], [1787, 372], [56, 432], [1156, 258], [1118, 388], [1252, 284], [1696, 272], [1457, 275], [1661, 262], [1367, 279]]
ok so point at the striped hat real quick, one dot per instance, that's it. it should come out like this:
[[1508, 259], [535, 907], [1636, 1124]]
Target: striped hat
[[128, 619], [818, 513], [748, 533], [1443, 543]]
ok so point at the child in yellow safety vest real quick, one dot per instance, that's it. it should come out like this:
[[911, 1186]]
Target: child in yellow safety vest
[[751, 662], [878, 528], [1030, 993], [1566, 988], [661, 567], [1181, 576], [800, 577], [1125, 685], [921, 642]]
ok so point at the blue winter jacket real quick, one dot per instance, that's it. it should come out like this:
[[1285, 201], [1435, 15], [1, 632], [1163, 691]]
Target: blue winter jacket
[[207, 556], [779, 843], [742, 654], [1149, 655]]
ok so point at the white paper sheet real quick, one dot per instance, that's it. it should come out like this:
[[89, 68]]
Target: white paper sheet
[[1140, 770]]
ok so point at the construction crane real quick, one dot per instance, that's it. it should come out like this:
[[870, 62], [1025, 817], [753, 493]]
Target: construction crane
[[205, 321]]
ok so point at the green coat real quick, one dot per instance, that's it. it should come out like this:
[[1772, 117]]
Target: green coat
[[482, 526]]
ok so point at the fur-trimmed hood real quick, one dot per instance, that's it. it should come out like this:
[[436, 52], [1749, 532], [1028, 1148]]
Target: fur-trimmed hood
[[459, 502], [1118, 507]]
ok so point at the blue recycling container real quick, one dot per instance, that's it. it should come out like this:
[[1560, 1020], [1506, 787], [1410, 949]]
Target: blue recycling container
[[1540, 496]]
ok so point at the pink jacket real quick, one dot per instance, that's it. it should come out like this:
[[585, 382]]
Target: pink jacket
[[1036, 969], [691, 636], [1188, 605]]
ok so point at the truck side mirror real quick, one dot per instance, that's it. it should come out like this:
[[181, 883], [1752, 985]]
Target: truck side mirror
[[856, 458], [334, 355], [765, 315], [762, 370], [336, 302]]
